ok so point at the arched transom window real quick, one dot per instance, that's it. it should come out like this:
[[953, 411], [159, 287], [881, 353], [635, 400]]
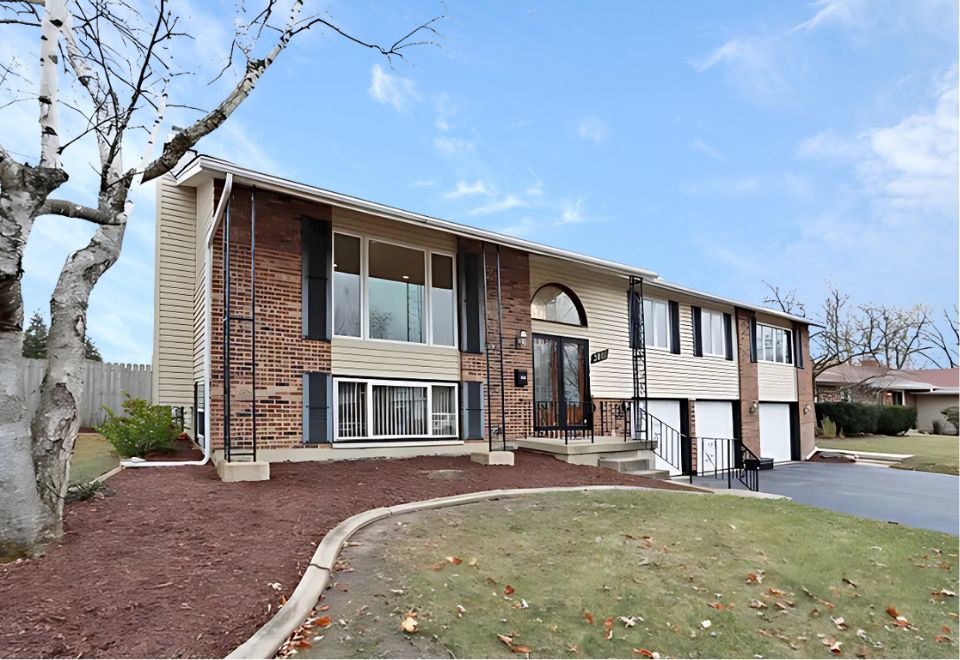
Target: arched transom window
[[553, 302]]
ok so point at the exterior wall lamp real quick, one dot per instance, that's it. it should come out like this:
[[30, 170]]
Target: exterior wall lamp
[[753, 407], [521, 341], [806, 409]]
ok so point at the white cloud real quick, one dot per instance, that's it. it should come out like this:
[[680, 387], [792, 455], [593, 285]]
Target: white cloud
[[751, 65], [593, 129], [572, 213], [700, 145], [391, 89], [423, 183], [499, 205], [465, 189], [451, 146], [827, 145], [843, 12]]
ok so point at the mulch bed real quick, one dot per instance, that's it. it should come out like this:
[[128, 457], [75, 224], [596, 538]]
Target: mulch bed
[[176, 563]]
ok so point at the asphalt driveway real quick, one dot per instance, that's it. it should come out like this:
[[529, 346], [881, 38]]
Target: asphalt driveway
[[918, 499]]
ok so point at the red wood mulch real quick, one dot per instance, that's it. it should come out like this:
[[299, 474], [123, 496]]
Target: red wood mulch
[[176, 563]]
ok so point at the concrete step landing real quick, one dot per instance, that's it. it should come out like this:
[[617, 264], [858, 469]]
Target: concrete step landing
[[650, 474], [625, 463]]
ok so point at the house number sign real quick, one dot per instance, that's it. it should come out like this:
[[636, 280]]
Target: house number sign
[[599, 356]]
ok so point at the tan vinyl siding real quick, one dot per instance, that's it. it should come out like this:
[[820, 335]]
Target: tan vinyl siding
[[380, 359], [686, 376], [387, 359], [174, 298], [776, 382], [205, 208], [604, 299]]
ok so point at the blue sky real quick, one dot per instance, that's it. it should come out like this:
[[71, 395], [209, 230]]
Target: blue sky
[[719, 144]]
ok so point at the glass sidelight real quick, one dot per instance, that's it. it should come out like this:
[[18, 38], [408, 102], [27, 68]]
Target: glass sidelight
[[561, 393]]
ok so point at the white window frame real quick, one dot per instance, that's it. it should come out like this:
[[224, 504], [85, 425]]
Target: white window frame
[[787, 343], [649, 323], [369, 383], [428, 290], [706, 332]]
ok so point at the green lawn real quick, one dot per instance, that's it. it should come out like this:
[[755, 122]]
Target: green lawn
[[92, 456], [930, 453], [611, 574]]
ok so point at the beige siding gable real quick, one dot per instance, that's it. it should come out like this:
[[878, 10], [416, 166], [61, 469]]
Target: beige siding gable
[[173, 331], [777, 382]]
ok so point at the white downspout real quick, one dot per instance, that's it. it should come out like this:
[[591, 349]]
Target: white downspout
[[207, 343]]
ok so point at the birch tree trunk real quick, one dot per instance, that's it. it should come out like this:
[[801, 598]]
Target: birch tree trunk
[[24, 521]]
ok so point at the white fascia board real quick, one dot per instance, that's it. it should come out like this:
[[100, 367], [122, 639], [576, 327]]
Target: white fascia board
[[201, 166]]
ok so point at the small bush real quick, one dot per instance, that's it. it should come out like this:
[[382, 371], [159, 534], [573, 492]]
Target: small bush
[[937, 427], [141, 429], [953, 417], [87, 490], [895, 420], [829, 428], [850, 418]]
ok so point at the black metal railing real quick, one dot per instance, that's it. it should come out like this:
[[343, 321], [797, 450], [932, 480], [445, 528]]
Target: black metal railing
[[570, 420], [615, 419], [727, 458], [630, 420]]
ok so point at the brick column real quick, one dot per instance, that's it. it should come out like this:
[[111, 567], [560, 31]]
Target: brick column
[[692, 431], [749, 387], [808, 417]]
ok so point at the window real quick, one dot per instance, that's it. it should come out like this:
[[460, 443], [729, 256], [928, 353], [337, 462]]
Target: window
[[711, 333], [441, 299], [346, 285], [656, 323], [552, 303], [387, 291], [773, 344], [371, 409]]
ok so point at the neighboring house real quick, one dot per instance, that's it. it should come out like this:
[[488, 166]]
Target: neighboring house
[[930, 391], [381, 332]]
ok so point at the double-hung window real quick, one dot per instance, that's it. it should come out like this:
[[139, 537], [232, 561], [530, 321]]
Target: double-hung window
[[711, 333], [774, 344], [394, 410], [392, 292], [656, 323]]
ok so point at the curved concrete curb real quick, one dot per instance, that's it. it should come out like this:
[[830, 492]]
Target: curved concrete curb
[[265, 643], [106, 475]]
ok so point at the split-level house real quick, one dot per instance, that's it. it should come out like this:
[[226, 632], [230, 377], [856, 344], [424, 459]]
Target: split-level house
[[295, 323]]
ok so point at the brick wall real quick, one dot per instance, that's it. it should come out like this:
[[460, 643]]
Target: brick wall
[[808, 418], [515, 297], [749, 387], [692, 432], [283, 355]]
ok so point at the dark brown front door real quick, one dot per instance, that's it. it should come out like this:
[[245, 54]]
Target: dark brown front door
[[561, 393]]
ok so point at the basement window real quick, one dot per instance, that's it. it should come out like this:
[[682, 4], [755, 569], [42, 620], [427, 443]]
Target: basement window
[[394, 410]]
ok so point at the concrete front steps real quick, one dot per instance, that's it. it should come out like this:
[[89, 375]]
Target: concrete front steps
[[628, 457]]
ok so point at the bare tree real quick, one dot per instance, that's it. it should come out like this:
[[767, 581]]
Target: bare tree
[[120, 60], [943, 346], [894, 336]]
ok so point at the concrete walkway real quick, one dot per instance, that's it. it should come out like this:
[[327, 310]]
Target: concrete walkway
[[918, 499]]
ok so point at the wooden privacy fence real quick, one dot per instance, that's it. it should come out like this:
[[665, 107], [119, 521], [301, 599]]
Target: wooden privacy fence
[[105, 384]]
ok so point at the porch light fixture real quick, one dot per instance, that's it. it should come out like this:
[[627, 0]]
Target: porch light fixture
[[753, 407], [521, 339], [806, 409]]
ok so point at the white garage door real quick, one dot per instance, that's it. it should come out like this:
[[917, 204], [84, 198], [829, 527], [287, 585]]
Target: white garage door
[[714, 419], [668, 412], [775, 431]]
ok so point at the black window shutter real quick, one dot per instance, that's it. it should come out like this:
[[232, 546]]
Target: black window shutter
[[317, 407], [635, 307], [697, 330], [316, 262], [471, 410], [753, 338], [797, 349], [674, 326], [789, 346], [728, 336], [471, 316]]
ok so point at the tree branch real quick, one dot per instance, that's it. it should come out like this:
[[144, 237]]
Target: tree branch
[[71, 210]]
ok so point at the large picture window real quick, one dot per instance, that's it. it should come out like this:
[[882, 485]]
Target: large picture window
[[393, 410], [392, 292], [774, 344], [711, 333], [656, 323]]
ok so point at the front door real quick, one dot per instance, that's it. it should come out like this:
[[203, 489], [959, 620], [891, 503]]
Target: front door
[[561, 393]]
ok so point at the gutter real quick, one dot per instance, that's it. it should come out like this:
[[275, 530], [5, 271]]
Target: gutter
[[207, 368]]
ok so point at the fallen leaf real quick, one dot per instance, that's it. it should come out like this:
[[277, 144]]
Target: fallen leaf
[[323, 608], [438, 566], [507, 590], [840, 623], [835, 648], [519, 648], [850, 582], [647, 654], [409, 625], [630, 622], [774, 592], [757, 604], [456, 561], [945, 629], [755, 577], [892, 611], [490, 581], [716, 606], [941, 639], [324, 622], [460, 611], [506, 640], [608, 626], [473, 562], [589, 617], [706, 623]]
